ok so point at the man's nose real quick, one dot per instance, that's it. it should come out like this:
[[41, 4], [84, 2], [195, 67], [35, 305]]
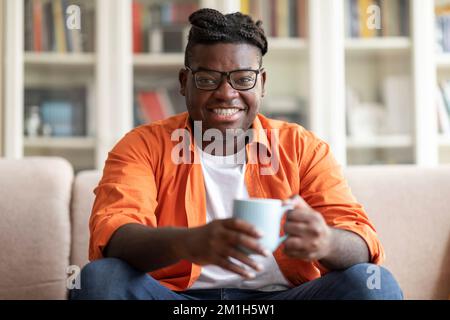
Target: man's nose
[[225, 91]]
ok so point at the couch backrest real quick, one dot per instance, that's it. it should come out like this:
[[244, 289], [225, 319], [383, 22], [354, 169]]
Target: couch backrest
[[82, 201], [410, 207], [35, 227]]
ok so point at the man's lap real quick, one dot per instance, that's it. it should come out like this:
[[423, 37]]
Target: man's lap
[[112, 278]]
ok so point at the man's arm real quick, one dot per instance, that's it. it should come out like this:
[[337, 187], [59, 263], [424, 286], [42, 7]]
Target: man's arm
[[346, 249], [145, 248], [148, 249], [310, 238]]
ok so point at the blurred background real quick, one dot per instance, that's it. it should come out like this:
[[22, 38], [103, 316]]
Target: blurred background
[[371, 77]]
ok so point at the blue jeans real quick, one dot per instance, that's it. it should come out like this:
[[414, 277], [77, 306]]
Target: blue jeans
[[112, 278]]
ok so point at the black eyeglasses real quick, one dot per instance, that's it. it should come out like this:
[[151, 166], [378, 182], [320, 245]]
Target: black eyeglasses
[[242, 80]]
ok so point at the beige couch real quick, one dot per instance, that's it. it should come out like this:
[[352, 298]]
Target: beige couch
[[44, 212]]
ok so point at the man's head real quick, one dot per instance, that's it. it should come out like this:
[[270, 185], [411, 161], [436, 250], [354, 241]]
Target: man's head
[[219, 44]]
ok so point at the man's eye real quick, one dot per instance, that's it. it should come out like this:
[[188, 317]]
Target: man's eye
[[245, 80], [206, 81]]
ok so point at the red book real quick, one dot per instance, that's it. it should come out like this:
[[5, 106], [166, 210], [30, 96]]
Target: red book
[[37, 25], [151, 106], [137, 26]]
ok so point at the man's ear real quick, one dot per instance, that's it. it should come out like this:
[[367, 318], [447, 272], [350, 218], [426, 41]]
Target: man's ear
[[182, 78], [263, 82]]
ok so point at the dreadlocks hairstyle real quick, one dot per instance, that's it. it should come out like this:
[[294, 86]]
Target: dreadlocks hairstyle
[[209, 26]]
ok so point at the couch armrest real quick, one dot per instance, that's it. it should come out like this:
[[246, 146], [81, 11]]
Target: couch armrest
[[35, 239]]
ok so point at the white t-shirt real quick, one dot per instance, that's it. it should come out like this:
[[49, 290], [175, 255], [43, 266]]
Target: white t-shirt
[[224, 181]]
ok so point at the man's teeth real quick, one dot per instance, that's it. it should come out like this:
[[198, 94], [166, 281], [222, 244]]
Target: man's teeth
[[225, 112]]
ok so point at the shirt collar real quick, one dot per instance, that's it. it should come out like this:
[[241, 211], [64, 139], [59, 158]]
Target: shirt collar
[[259, 136]]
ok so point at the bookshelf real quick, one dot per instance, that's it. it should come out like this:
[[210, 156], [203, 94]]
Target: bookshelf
[[302, 65], [1, 75], [442, 16]]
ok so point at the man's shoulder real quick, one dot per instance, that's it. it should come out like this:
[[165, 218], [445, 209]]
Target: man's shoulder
[[165, 126]]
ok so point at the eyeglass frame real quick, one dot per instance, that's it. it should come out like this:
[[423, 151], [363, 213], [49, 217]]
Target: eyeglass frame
[[227, 74]]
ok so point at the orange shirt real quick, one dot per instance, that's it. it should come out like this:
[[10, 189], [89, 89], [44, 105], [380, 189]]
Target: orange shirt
[[142, 184]]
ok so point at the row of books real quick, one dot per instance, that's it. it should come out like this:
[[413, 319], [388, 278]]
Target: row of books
[[377, 18], [161, 27], [156, 104], [46, 27], [281, 18], [61, 112], [443, 107], [443, 28]]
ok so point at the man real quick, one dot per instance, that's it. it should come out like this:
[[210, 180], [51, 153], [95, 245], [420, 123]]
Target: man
[[161, 225]]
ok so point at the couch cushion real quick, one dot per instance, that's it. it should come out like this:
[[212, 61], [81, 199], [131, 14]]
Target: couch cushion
[[35, 227], [410, 208], [82, 201]]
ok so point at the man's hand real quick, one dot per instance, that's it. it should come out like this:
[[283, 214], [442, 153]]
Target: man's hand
[[309, 237], [217, 241]]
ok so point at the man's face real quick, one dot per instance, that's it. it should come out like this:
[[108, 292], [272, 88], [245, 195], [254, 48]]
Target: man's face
[[205, 105]]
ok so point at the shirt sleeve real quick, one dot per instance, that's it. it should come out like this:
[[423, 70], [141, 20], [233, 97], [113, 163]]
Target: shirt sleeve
[[126, 193], [324, 187]]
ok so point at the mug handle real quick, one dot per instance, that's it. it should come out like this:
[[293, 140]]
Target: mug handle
[[283, 210]]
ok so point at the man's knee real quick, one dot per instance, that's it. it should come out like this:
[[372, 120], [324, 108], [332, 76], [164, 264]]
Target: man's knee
[[104, 279], [370, 281]]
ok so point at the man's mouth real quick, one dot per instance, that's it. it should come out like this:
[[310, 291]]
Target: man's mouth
[[227, 112]]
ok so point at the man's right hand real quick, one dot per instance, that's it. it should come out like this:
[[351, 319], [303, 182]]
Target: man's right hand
[[217, 241]]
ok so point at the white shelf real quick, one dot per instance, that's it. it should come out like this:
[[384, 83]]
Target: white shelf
[[279, 44], [176, 60], [158, 60], [388, 141], [59, 59], [377, 45], [444, 140], [59, 142], [443, 60]]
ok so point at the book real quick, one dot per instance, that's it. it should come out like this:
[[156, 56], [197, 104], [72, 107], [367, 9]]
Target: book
[[59, 23], [394, 18], [58, 115], [157, 103], [364, 29], [302, 18], [137, 26], [354, 19], [37, 25], [50, 27], [28, 19], [245, 6], [54, 103], [282, 18], [443, 116], [151, 106], [161, 27]]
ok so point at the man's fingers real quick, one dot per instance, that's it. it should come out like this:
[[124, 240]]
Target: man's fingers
[[238, 255], [242, 226], [226, 264], [297, 202], [299, 229], [237, 239], [301, 215]]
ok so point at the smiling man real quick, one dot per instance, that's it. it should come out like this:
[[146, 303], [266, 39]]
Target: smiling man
[[162, 229]]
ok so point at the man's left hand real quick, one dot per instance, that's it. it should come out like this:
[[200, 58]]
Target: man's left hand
[[309, 236]]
